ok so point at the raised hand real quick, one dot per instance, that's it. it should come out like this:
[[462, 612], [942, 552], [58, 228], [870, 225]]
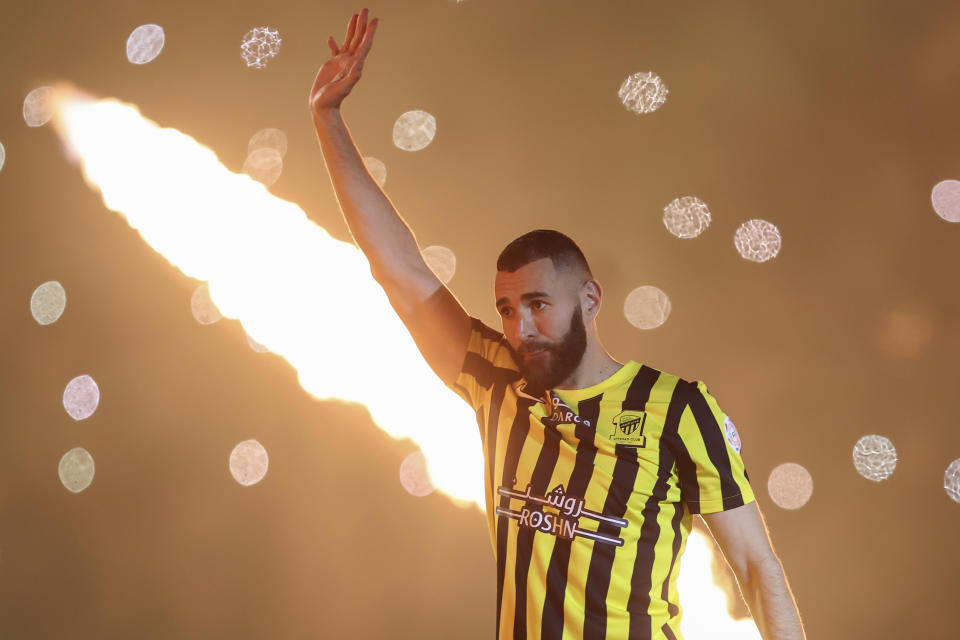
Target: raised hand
[[340, 73]]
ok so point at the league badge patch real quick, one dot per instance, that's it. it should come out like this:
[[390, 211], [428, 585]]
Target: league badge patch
[[732, 436]]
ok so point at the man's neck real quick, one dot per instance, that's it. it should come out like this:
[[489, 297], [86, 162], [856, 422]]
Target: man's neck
[[596, 366]]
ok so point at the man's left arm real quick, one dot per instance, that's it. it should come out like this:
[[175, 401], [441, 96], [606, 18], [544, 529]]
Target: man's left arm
[[745, 542]]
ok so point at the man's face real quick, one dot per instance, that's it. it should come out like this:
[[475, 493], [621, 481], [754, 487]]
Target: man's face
[[542, 321]]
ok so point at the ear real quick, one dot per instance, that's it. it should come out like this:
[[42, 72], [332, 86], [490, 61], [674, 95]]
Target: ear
[[591, 296]]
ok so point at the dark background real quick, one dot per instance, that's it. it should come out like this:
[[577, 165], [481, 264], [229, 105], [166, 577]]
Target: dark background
[[831, 120]]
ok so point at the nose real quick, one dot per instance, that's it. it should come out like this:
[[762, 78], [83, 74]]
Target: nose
[[527, 327]]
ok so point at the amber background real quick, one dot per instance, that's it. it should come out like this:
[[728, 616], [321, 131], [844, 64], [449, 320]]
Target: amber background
[[831, 119]]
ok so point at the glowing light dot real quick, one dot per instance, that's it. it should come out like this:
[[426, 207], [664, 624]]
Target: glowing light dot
[[874, 457], [249, 462], [48, 302], [259, 46], [81, 397], [686, 217], [145, 43], [646, 307], [377, 169], [441, 261], [3, 155], [268, 139], [790, 485], [951, 480], [757, 240], [38, 106], [643, 92], [414, 130], [414, 475], [76, 469], [946, 200], [264, 165], [203, 309]]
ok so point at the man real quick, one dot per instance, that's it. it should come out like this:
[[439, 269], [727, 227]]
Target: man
[[593, 468]]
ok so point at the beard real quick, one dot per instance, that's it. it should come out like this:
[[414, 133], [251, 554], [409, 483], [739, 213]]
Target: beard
[[558, 360]]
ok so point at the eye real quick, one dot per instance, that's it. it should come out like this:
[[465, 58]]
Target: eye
[[504, 311], [538, 305]]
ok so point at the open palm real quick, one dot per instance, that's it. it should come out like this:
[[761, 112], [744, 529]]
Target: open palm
[[340, 73]]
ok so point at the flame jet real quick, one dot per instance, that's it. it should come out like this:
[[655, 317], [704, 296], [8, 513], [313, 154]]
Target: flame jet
[[296, 290]]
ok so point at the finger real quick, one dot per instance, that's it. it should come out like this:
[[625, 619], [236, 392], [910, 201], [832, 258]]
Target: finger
[[367, 41], [351, 28], [359, 31], [333, 46]]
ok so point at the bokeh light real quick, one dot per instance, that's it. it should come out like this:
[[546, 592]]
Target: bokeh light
[[790, 485], [48, 302], [145, 43], [946, 200], [249, 462], [81, 397], [704, 603], [874, 457], [643, 92], [686, 217], [3, 155], [951, 480], [76, 469], [269, 138], [646, 307], [414, 475], [414, 130], [377, 169], [259, 46], [38, 106], [757, 240], [441, 261], [264, 165], [202, 307]]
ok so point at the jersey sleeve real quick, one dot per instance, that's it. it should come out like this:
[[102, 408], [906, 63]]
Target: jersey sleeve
[[711, 472], [479, 364]]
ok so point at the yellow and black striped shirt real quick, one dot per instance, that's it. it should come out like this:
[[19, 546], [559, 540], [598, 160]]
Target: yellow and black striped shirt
[[590, 493]]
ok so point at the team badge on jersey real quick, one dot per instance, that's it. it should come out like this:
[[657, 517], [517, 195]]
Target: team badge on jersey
[[628, 428], [733, 438]]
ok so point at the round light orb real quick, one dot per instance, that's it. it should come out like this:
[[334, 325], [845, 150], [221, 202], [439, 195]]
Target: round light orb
[[3, 155], [145, 43], [76, 469], [202, 307], [264, 165], [646, 307], [790, 485], [377, 169], [38, 106], [414, 130], [81, 397], [874, 457], [48, 302], [757, 240], [259, 46], [946, 200], [256, 346], [643, 92], [414, 475], [686, 217], [951, 480], [268, 139], [249, 462], [441, 261]]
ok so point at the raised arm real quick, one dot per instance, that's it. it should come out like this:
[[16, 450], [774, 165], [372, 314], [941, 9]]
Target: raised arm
[[433, 316], [743, 538]]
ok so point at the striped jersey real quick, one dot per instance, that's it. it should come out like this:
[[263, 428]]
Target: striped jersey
[[590, 493]]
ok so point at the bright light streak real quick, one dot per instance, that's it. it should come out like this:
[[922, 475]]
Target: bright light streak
[[297, 291], [704, 603]]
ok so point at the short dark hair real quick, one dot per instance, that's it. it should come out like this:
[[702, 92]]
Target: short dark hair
[[539, 244]]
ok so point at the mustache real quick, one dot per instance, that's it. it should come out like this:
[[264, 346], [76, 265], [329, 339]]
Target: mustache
[[532, 347]]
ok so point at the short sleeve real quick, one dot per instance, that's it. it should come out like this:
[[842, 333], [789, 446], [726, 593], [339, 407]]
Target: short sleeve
[[485, 347], [711, 471]]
